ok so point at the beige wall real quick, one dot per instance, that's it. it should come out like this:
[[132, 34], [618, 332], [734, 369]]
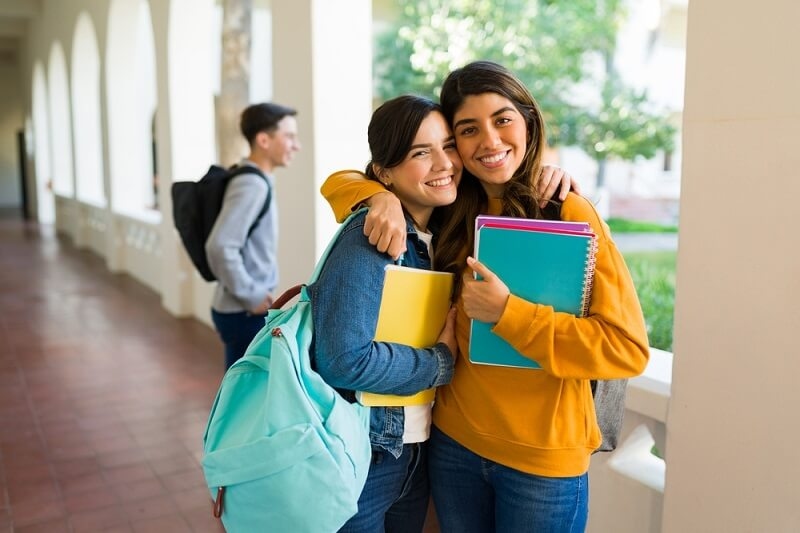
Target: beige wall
[[732, 433]]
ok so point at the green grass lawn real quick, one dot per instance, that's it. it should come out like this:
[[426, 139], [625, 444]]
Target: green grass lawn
[[623, 225], [653, 274]]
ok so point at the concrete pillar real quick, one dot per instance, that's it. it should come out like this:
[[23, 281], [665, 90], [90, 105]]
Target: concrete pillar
[[732, 430], [176, 270], [322, 60], [235, 78]]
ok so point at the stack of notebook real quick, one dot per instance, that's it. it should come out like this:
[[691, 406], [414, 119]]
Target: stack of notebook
[[548, 262]]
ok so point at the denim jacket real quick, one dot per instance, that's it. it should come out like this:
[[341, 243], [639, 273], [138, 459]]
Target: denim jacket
[[345, 301]]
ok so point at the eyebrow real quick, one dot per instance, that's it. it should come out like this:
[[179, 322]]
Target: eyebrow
[[428, 145], [470, 120]]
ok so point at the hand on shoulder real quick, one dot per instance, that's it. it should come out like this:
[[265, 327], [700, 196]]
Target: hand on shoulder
[[385, 224]]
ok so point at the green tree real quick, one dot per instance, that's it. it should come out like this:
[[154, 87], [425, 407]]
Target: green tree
[[551, 45], [623, 126]]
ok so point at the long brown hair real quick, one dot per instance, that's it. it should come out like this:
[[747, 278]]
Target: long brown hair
[[456, 222]]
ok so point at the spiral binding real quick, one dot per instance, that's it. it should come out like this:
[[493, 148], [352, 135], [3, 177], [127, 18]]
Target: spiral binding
[[588, 276]]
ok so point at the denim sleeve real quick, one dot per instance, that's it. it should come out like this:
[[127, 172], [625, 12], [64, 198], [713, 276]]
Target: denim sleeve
[[345, 303]]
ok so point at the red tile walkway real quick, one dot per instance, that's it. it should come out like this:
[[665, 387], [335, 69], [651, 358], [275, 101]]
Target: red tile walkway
[[103, 397]]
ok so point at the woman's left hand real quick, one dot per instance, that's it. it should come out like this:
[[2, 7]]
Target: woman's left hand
[[554, 179], [484, 299]]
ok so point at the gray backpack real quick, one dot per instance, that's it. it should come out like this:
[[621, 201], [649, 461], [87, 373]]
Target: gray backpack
[[609, 404]]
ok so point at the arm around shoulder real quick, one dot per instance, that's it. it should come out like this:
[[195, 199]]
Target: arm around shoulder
[[345, 190]]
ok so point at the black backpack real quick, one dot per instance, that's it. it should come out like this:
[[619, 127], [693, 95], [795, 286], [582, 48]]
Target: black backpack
[[196, 205]]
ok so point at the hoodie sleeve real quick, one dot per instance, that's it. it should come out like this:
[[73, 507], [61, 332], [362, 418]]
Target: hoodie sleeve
[[347, 189], [610, 342]]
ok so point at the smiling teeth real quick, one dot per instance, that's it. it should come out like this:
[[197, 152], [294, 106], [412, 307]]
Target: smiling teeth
[[493, 158], [440, 182]]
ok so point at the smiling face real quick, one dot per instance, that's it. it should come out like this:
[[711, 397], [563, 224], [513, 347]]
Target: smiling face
[[491, 135], [429, 174], [281, 144]]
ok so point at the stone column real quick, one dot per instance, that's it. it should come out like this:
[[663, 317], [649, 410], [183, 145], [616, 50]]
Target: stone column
[[235, 83], [732, 431], [322, 65]]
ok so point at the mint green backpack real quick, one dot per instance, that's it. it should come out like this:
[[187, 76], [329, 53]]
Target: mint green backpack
[[283, 450]]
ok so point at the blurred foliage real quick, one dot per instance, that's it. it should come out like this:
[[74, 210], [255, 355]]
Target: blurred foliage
[[553, 46], [624, 125], [653, 275]]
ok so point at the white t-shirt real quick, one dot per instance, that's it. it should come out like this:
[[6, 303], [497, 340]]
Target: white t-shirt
[[417, 425]]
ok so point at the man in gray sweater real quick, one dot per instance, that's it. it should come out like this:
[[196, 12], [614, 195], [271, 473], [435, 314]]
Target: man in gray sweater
[[243, 256]]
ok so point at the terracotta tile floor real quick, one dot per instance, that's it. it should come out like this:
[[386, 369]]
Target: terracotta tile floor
[[103, 396]]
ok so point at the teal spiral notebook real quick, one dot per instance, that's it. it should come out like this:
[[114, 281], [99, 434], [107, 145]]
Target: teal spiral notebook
[[550, 267]]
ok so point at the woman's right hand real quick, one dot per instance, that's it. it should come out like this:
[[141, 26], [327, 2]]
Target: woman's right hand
[[385, 224], [448, 334]]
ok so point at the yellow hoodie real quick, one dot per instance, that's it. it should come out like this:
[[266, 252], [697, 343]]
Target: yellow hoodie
[[537, 421]]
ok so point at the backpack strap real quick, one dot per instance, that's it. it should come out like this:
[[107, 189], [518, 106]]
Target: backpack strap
[[331, 244], [291, 292], [234, 171], [287, 295]]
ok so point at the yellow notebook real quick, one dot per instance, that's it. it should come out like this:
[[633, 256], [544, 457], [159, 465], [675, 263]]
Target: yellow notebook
[[413, 311]]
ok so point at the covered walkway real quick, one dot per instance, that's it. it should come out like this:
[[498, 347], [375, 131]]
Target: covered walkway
[[103, 396]]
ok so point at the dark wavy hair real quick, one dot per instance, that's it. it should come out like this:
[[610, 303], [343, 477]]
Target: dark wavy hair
[[392, 129], [456, 221]]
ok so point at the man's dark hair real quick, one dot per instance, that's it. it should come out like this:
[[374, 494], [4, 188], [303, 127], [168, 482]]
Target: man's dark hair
[[262, 117]]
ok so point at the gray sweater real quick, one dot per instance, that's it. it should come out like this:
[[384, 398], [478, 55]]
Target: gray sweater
[[246, 267]]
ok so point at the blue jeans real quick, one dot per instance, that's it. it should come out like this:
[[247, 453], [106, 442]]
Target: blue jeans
[[473, 494], [236, 331], [395, 497]]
